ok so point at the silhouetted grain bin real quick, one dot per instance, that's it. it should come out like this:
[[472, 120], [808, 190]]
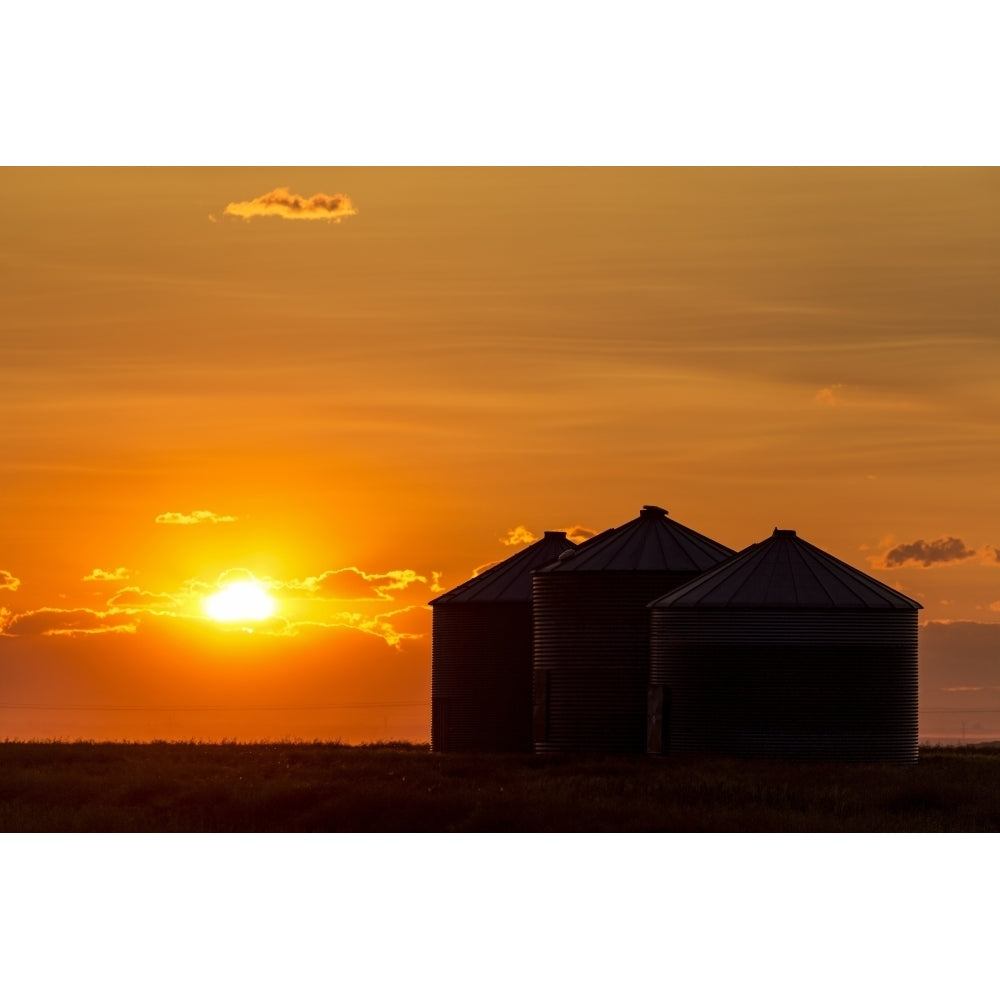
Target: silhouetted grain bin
[[785, 651], [481, 674], [592, 630]]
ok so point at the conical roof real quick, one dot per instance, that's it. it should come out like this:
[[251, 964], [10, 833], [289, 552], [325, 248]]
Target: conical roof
[[651, 542], [510, 580], [784, 571]]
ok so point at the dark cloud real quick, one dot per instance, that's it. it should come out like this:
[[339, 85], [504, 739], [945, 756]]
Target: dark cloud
[[8, 581], [921, 553], [282, 203]]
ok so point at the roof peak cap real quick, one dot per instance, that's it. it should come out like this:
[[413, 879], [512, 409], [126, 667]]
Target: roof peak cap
[[784, 533], [651, 510]]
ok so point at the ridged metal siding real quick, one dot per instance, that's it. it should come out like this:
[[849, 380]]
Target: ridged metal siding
[[481, 673], [481, 682], [836, 684], [591, 658]]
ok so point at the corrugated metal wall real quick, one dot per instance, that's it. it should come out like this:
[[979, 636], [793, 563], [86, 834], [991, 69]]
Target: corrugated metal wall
[[591, 658], [836, 684], [481, 684]]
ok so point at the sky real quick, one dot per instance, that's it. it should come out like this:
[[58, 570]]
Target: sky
[[354, 386]]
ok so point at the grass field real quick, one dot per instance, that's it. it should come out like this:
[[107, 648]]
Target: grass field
[[324, 787]]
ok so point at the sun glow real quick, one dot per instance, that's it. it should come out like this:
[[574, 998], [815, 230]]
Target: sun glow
[[240, 602]]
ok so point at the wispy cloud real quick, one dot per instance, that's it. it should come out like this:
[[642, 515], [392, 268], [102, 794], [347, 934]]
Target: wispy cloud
[[282, 203], [518, 536], [69, 622], [938, 552], [353, 584], [133, 597], [8, 581], [195, 517], [830, 395], [392, 626], [108, 574]]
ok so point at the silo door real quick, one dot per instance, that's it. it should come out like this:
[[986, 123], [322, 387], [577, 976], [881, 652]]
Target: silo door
[[654, 719]]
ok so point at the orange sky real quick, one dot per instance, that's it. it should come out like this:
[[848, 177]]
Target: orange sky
[[364, 405]]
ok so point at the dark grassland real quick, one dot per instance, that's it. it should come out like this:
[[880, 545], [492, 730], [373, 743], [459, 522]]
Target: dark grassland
[[326, 787]]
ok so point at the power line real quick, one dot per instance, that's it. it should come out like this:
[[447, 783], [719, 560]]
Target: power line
[[214, 708]]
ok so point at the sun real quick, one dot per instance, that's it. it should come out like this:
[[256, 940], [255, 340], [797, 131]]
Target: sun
[[240, 602]]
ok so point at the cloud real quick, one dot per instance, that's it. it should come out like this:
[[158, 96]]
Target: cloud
[[195, 517], [353, 584], [8, 581], [391, 626], [114, 574], [829, 394], [940, 551], [133, 597], [990, 555], [75, 621], [578, 533], [485, 566], [518, 536], [282, 203]]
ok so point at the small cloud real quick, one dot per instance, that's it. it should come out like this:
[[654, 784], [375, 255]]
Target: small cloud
[[108, 574], [938, 552], [195, 517], [518, 536], [435, 584], [285, 205], [964, 687], [133, 597], [8, 581], [990, 555], [578, 533], [212, 218], [830, 395], [485, 566]]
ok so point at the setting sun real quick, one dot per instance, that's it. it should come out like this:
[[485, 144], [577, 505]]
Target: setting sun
[[239, 602]]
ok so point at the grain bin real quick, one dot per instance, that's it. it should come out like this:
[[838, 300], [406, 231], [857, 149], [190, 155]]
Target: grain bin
[[481, 673], [591, 661], [785, 651]]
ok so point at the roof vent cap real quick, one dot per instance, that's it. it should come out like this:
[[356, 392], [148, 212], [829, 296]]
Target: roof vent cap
[[555, 534], [783, 533], [651, 510]]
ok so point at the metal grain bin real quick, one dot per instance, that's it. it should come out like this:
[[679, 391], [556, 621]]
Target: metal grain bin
[[592, 631], [481, 673], [785, 651]]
